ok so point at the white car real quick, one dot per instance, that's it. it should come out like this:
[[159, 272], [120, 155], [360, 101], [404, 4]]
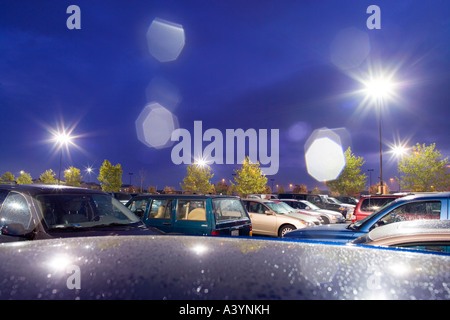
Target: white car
[[328, 216]]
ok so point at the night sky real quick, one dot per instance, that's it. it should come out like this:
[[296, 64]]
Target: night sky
[[295, 66]]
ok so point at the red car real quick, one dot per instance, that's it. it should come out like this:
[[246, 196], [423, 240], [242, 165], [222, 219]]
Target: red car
[[371, 203]]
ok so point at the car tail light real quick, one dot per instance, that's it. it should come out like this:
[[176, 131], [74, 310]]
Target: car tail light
[[215, 233]]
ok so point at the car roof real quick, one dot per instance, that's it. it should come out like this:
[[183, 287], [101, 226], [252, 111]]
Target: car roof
[[396, 195], [314, 276], [183, 196], [34, 189], [410, 228]]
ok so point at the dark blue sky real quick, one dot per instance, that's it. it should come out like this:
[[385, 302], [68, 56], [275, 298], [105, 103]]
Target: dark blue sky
[[245, 64]]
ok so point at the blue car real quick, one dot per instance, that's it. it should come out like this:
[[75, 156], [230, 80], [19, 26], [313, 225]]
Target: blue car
[[412, 207]]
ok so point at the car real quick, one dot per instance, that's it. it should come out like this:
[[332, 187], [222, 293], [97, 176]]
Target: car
[[301, 214], [34, 212], [270, 219], [347, 199], [429, 235], [433, 206], [322, 201], [370, 203], [185, 268], [328, 216], [193, 214]]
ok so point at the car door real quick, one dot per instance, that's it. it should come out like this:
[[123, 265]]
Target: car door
[[160, 212], [264, 221], [192, 217]]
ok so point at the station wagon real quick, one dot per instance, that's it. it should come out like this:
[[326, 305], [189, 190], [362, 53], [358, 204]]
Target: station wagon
[[193, 214]]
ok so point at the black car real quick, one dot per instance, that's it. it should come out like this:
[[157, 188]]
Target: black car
[[32, 212]]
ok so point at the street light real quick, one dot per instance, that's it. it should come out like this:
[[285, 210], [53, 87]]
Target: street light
[[379, 89], [62, 139]]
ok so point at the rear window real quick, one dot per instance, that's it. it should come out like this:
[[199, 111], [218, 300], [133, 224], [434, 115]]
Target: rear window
[[228, 209], [373, 204]]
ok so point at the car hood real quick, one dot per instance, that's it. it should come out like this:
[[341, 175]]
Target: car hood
[[328, 232]]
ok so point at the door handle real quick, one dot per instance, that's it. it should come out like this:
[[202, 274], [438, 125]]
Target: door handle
[[167, 223]]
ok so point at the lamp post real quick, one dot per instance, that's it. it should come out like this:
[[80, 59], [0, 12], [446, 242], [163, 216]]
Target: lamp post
[[379, 89]]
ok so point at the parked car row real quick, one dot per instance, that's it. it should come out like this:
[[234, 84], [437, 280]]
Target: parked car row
[[78, 259], [433, 206]]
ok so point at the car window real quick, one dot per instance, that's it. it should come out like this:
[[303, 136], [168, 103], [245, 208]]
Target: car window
[[83, 210], [15, 209], [191, 210], [443, 247], [278, 207], [3, 194], [414, 211], [373, 204], [138, 204], [160, 209], [255, 207], [313, 199], [228, 209]]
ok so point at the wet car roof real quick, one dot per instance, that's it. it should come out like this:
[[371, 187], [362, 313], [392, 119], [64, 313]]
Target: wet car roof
[[186, 267]]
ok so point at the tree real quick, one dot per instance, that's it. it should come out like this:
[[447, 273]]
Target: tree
[[221, 187], [110, 176], [7, 176], [281, 190], [424, 169], [249, 179], [300, 188], [198, 179], [48, 177], [24, 178], [350, 181], [72, 177]]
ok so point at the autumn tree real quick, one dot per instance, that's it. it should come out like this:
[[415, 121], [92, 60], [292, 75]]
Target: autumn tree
[[249, 179], [24, 178], [48, 177], [7, 176], [222, 187], [351, 180], [72, 177], [300, 188], [110, 176], [197, 179], [424, 169]]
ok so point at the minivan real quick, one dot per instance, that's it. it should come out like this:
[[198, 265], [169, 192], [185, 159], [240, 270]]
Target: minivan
[[193, 214]]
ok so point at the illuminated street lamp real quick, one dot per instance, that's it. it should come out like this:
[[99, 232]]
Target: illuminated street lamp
[[62, 139], [379, 90]]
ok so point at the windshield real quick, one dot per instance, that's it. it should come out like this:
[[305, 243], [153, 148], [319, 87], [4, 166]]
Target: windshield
[[334, 200], [228, 209], [83, 210], [278, 207], [312, 206], [359, 223]]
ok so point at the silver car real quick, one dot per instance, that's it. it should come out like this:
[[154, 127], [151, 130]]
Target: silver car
[[328, 216]]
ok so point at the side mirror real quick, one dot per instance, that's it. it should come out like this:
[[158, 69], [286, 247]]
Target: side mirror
[[307, 208], [16, 230], [268, 212]]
